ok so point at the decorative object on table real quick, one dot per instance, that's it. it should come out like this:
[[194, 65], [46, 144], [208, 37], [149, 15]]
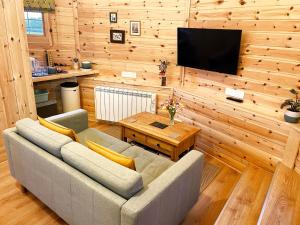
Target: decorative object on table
[[292, 115], [172, 105], [117, 36], [52, 70], [49, 59], [113, 17], [163, 69], [135, 28], [38, 69], [76, 64], [87, 65], [60, 70]]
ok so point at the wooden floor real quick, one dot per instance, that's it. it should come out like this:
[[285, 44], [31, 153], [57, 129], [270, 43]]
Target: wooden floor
[[18, 208]]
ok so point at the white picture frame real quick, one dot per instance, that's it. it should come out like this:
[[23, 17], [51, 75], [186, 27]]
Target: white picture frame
[[135, 28]]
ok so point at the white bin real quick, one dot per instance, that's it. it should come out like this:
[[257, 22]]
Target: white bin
[[70, 96]]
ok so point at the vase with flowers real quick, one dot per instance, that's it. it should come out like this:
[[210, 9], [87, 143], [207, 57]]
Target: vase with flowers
[[172, 105], [163, 69]]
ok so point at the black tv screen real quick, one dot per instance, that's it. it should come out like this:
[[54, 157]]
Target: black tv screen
[[209, 49]]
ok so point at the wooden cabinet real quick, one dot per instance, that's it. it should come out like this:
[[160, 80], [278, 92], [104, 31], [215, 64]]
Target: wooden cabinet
[[135, 136]]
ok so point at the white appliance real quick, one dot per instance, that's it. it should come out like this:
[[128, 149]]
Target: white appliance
[[70, 96], [115, 104]]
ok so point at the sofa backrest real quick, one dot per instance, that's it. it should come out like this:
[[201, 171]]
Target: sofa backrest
[[119, 179], [41, 136], [74, 196]]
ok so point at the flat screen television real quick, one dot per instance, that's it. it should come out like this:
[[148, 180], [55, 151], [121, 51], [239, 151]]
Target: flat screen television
[[209, 49]]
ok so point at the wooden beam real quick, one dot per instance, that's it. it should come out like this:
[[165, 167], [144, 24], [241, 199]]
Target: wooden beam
[[291, 149], [247, 199], [282, 205]]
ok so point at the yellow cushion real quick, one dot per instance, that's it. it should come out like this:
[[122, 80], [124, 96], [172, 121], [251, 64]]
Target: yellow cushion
[[112, 155], [59, 129]]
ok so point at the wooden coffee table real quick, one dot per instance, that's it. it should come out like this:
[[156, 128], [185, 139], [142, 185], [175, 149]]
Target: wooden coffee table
[[172, 140]]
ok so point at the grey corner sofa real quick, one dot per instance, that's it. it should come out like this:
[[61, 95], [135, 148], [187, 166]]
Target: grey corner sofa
[[85, 188]]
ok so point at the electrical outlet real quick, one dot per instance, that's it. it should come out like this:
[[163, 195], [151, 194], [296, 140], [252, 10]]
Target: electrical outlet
[[237, 94], [128, 74]]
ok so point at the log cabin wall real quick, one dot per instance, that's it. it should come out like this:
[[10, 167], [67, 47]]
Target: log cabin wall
[[60, 32], [269, 64], [140, 54], [269, 67], [16, 95]]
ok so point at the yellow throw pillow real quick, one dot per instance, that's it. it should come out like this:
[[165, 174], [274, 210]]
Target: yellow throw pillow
[[59, 129], [112, 155]]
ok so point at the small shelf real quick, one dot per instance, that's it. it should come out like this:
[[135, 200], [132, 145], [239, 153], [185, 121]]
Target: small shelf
[[70, 74], [43, 104]]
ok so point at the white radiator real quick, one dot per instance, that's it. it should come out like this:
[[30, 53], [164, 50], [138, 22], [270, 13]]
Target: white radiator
[[115, 104]]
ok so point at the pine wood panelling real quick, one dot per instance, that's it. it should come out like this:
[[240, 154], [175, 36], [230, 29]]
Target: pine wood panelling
[[269, 65], [159, 22], [268, 69], [62, 31], [17, 99]]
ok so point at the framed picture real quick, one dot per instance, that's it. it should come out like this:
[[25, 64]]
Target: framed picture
[[117, 36], [113, 17], [135, 28]]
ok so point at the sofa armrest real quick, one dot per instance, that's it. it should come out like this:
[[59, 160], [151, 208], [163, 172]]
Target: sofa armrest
[[167, 199], [76, 120]]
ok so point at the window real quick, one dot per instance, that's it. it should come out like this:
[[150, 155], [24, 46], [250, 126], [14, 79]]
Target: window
[[34, 23]]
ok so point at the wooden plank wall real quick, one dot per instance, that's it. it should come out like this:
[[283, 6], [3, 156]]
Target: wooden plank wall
[[159, 21], [16, 95], [61, 29], [138, 54], [269, 66]]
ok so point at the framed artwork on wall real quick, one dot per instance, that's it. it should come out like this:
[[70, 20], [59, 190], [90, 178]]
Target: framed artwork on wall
[[113, 17], [135, 28], [117, 36]]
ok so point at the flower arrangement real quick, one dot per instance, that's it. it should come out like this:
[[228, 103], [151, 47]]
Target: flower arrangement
[[163, 69], [172, 105]]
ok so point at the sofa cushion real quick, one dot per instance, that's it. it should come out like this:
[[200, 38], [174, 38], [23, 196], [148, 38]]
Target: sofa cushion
[[149, 165], [41, 136], [59, 128], [103, 139], [113, 176], [111, 155]]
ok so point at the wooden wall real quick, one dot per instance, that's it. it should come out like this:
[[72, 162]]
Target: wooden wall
[[159, 22], [61, 45], [269, 65], [16, 95]]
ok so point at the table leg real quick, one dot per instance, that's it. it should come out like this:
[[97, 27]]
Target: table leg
[[123, 134], [175, 156]]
